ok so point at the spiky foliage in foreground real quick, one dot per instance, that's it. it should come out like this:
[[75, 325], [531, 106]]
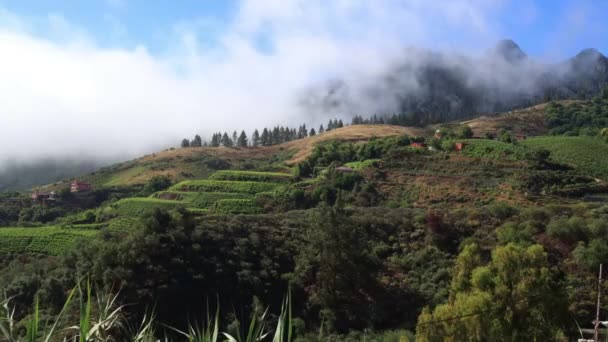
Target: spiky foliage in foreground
[[101, 319]]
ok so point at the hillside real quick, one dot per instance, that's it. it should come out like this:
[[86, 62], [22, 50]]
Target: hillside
[[251, 222], [531, 121], [199, 162]]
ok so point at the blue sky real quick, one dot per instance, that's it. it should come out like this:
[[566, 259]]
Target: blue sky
[[132, 75], [550, 29]]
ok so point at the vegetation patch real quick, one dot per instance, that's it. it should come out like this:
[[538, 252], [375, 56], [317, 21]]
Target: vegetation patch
[[588, 155], [52, 240], [237, 206], [140, 206], [224, 186], [255, 176], [360, 165], [492, 149]]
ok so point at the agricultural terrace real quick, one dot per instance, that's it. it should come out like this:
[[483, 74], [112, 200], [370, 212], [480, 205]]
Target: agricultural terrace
[[51, 240], [254, 176], [589, 155]]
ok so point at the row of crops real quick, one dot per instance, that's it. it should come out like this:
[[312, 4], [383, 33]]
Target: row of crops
[[225, 192], [51, 240], [589, 155]]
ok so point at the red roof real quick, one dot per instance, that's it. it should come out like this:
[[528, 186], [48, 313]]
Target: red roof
[[418, 145]]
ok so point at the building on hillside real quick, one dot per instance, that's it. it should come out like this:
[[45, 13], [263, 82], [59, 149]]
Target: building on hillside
[[520, 137], [78, 186], [344, 169], [418, 145], [43, 197]]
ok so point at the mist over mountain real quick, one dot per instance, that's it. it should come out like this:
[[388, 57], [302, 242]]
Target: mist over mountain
[[23, 175], [439, 86]]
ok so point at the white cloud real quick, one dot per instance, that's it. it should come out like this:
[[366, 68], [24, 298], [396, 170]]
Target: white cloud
[[67, 95]]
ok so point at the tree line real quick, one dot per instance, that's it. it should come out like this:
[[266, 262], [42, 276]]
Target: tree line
[[267, 137]]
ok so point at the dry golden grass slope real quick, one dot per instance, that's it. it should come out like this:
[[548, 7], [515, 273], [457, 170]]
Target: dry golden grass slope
[[304, 147], [185, 163], [529, 121]]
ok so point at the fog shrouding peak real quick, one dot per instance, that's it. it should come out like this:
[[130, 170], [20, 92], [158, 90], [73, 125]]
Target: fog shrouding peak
[[274, 62]]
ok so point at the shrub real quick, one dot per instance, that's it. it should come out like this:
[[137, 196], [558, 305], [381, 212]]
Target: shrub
[[236, 206]]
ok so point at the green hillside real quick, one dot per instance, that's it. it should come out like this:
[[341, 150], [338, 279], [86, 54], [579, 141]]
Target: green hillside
[[368, 231], [52, 240], [588, 155]]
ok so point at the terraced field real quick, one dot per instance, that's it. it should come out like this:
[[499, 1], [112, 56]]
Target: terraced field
[[493, 149], [206, 185], [225, 192], [587, 154], [253, 176], [51, 240]]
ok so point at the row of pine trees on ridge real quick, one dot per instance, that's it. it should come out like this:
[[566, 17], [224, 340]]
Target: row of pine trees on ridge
[[268, 137]]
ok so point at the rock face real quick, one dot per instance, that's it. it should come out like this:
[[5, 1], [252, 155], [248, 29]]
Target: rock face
[[434, 87]]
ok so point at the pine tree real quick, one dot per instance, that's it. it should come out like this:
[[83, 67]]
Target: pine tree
[[235, 138], [330, 125], [312, 132], [276, 135], [242, 141], [197, 142], [340, 124], [265, 138], [321, 129], [216, 139], [185, 143], [226, 141], [255, 138]]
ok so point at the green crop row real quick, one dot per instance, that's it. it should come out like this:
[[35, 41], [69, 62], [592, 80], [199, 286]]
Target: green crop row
[[204, 200], [138, 207], [360, 165], [224, 186], [52, 240], [124, 223], [588, 155], [237, 206], [254, 176], [200, 200], [492, 149]]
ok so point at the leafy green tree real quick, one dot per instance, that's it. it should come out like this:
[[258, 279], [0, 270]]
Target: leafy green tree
[[465, 132], [505, 136], [158, 183], [592, 254], [513, 298], [337, 269]]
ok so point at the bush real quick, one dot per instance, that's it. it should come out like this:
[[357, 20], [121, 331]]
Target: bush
[[236, 206]]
